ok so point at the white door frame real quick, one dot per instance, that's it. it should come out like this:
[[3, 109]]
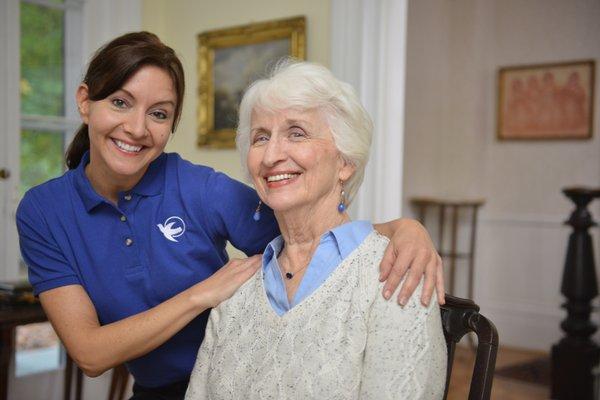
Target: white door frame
[[9, 136]]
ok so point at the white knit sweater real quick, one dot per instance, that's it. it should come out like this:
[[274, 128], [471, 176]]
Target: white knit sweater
[[344, 341]]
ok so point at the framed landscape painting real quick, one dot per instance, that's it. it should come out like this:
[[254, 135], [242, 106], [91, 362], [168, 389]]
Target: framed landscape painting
[[228, 61], [546, 101]]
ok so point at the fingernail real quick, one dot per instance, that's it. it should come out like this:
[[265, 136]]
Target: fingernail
[[387, 294], [402, 301]]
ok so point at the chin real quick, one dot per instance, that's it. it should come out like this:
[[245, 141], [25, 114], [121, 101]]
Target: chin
[[126, 169], [284, 205]]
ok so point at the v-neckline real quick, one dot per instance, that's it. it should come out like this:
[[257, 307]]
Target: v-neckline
[[310, 298]]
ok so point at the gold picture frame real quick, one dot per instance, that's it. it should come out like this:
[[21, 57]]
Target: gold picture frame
[[546, 101], [228, 61]]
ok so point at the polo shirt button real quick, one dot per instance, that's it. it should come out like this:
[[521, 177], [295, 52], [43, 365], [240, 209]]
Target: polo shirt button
[[127, 197], [123, 218], [128, 242]]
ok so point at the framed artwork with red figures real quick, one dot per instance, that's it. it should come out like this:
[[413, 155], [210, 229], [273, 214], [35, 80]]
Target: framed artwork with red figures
[[546, 101]]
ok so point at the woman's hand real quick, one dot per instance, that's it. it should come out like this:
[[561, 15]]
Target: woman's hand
[[223, 283], [410, 252]]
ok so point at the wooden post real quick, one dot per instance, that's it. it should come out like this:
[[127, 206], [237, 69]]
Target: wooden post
[[576, 354]]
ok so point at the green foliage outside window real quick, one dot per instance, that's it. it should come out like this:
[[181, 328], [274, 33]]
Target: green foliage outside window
[[42, 91], [41, 157], [42, 60]]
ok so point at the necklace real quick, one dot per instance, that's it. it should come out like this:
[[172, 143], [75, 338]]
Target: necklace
[[290, 275]]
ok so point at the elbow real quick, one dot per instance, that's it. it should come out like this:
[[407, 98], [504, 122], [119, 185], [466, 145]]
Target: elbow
[[92, 370], [91, 373], [92, 366]]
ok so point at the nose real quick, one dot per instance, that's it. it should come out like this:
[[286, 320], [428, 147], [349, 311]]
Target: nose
[[135, 124], [274, 152]]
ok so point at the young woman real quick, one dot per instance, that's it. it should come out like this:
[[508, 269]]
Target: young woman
[[126, 250]]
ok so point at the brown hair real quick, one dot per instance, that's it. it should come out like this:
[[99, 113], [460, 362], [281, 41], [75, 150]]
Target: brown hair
[[111, 67]]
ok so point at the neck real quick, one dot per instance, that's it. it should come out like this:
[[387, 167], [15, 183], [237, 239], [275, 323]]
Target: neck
[[106, 184], [302, 230]]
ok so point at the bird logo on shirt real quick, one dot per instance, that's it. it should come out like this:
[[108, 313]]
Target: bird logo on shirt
[[172, 228]]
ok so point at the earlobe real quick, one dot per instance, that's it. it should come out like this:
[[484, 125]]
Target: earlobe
[[346, 171], [83, 102]]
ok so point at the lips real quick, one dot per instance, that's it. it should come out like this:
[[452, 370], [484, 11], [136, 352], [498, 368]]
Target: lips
[[281, 179], [128, 148]]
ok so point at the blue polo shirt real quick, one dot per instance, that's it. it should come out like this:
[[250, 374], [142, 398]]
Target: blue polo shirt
[[164, 235]]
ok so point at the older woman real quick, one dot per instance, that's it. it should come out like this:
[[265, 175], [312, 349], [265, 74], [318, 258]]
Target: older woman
[[311, 324]]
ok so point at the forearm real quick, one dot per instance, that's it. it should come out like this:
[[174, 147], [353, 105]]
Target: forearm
[[139, 334], [388, 229], [97, 348]]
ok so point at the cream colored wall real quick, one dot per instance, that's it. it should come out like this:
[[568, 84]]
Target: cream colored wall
[[454, 52], [178, 22]]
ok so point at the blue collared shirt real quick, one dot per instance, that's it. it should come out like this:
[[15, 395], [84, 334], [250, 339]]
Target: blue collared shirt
[[164, 235], [334, 246]]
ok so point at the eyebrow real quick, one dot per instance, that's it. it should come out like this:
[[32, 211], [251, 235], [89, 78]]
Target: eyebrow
[[258, 129], [159, 103], [301, 122]]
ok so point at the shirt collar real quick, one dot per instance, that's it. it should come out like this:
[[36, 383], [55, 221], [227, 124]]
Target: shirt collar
[[151, 183], [347, 237], [350, 235], [87, 193]]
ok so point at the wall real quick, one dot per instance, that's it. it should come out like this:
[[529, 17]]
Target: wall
[[179, 22], [454, 52]]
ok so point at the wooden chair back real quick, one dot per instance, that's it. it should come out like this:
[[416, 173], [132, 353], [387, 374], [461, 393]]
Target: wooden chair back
[[459, 317]]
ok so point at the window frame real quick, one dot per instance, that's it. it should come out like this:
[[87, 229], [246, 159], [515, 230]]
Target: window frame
[[13, 122]]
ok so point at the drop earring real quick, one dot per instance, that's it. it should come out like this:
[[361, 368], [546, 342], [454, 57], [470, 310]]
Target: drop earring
[[256, 215], [342, 206]]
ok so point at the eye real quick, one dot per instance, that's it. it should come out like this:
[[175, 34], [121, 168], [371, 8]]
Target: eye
[[119, 103], [298, 134], [260, 138], [159, 114]]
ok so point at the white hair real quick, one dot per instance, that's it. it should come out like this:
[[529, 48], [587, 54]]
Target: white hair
[[308, 86]]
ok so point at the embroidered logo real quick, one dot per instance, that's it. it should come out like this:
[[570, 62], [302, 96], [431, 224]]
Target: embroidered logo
[[172, 228]]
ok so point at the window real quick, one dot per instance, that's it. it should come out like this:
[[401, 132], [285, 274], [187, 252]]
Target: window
[[42, 53], [47, 63], [42, 91]]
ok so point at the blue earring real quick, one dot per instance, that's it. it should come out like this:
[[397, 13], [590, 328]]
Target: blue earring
[[342, 206], [256, 215]]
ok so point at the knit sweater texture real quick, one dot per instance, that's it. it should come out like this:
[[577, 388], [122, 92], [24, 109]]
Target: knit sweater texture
[[344, 341]]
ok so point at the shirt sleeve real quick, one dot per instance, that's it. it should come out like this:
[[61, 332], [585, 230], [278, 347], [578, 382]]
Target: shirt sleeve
[[47, 265], [232, 206], [405, 354]]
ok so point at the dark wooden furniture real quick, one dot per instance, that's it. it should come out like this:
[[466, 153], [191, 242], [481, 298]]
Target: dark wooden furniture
[[424, 204], [459, 317], [12, 316], [118, 383], [72, 369], [576, 355]]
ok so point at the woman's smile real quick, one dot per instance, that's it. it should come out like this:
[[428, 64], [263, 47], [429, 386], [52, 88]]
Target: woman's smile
[[127, 148], [281, 179]]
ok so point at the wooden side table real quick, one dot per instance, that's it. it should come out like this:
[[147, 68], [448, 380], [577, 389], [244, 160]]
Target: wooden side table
[[454, 207], [13, 316]]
